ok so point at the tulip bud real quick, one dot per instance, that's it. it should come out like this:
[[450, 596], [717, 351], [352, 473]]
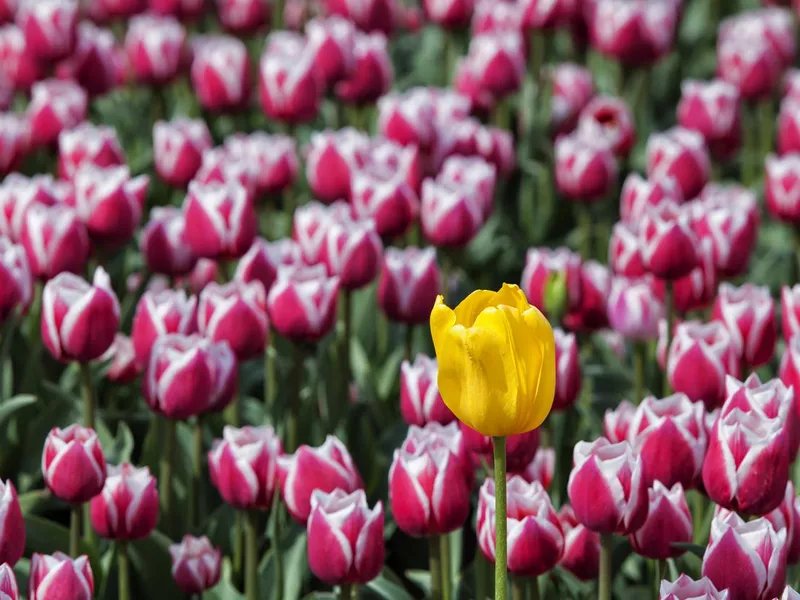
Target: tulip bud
[[790, 311], [55, 241], [272, 159], [746, 58], [669, 246], [218, 166], [449, 14], [625, 251], [155, 47], [159, 314], [12, 527], [712, 109], [243, 466], [55, 106], [608, 120], [788, 133], [8, 583], [79, 320], [608, 487], [302, 303], [163, 243], [14, 137], [345, 537], [310, 225], [581, 546], [236, 313], [541, 468], [617, 422], [568, 370], [371, 75], [127, 508], [196, 564], [493, 68], [221, 72], [103, 11], [262, 261], [109, 202], [759, 552], [416, 483], [220, 220], [633, 310], [420, 401], [352, 251], [243, 16], [670, 437], [88, 144], [592, 311], [16, 283], [21, 65], [573, 88], [331, 41], [684, 588], [73, 464], [59, 577], [326, 468], [541, 264], [178, 147], [700, 357], [638, 194], [782, 187], [288, 88], [697, 289], [332, 157], [749, 314], [787, 517], [668, 522], [451, 214], [681, 154], [188, 375], [121, 357], [185, 10], [585, 168], [408, 284], [49, 27]]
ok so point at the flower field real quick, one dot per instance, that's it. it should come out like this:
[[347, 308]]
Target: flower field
[[297, 295]]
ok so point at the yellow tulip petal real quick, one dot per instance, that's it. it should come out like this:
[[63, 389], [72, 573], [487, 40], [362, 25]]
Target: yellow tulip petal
[[469, 309], [511, 295], [542, 349]]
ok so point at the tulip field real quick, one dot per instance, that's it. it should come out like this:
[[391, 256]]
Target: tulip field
[[297, 296]]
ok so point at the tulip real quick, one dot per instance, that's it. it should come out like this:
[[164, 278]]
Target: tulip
[[420, 401], [638, 194], [272, 158], [49, 27], [573, 88], [352, 251], [535, 538], [788, 129], [372, 72], [625, 251], [73, 464], [263, 260], [493, 144], [59, 577], [178, 147], [88, 144], [684, 588], [93, 63], [787, 517], [332, 158], [609, 120], [302, 303], [736, 481], [22, 67], [669, 247], [790, 311], [790, 594], [749, 314], [220, 220], [697, 289], [451, 214], [159, 314], [449, 14], [55, 106], [712, 109], [699, 358], [196, 564], [633, 310], [581, 546], [235, 313], [218, 166], [668, 522], [185, 10], [187, 376], [12, 526], [386, 198], [8, 583], [332, 42], [110, 203], [55, 241], [415, 481], [372, 15], [474, 173], [155, 47], [243, 16], [759, 552], [221, 72], [127, 508], [591, 313], [109, 10], [568, 370], [585, 168], [600, 499], [288, 89], [493, 68], [408, 284], [123, 367], [782, 187], [542, 265], [16, 283], [541, 468], [79, 320], [634, 33], [617, 422], [682, 154], [670, 438], [163, 243], [409, 118], [14, 139], [746, 58]]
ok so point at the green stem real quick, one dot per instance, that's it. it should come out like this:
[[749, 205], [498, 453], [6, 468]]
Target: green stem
[[409, 342], [749, 151], [639, 360], [165, 491], [699, 517], [482, 568], [347, 318], [500, 560], [75, 530], [297, 370], [659, 570], [238, 549], [277, 15], [604, 586], [587, 226], [251, 555], [766, 122], [669, 310], [435, 562], [124, 571], [533, 589], [276, 543], [447, 584], [88, 396], [639, 101], [194, 490], [270, 376], [518, 588], [346, 591]]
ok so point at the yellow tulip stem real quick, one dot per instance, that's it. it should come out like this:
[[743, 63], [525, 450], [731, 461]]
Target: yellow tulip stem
[[500, 540]]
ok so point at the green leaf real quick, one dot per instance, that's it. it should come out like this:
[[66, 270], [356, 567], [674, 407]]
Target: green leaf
[[12, 405], [152, 568], [381, 587], [121, 447], [295, 565], [38, 501], [224, 590], [695, 549]]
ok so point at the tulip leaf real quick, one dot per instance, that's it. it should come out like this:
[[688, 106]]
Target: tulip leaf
[[695, 549], [12, 405], [383, 588], [152, 567], [224, 590], [121, 447]]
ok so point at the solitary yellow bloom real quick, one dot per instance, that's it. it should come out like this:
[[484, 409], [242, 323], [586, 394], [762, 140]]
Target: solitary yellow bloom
[[497, 361]]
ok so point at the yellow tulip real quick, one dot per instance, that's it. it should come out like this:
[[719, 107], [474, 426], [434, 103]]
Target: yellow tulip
[[497, 361]]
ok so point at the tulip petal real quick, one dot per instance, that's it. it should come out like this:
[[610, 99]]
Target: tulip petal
[[469, 309]]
